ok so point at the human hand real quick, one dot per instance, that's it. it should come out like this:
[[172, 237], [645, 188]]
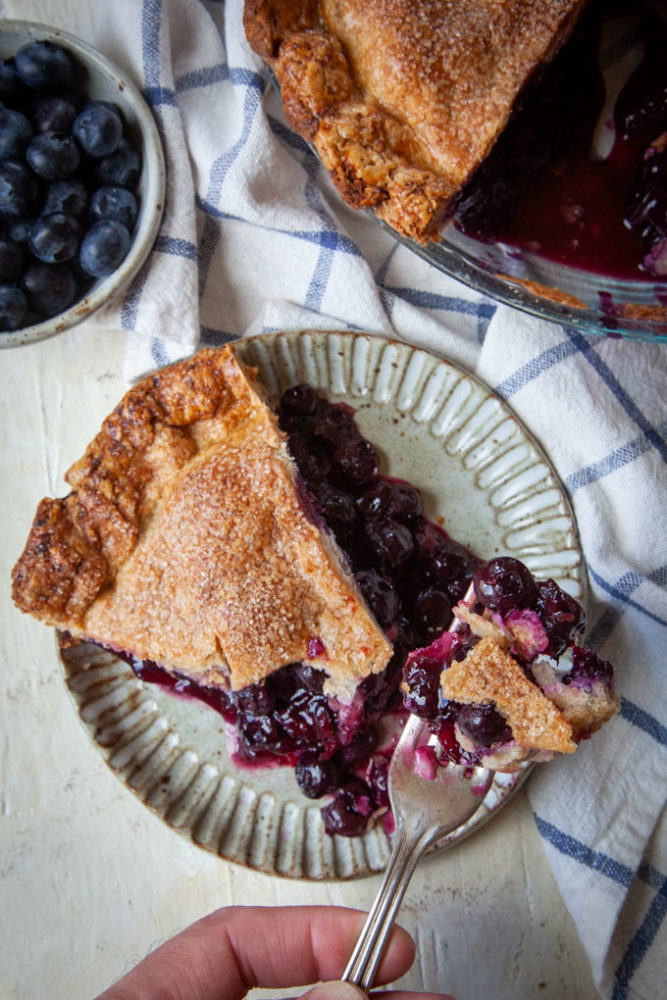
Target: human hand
[[237, 948]]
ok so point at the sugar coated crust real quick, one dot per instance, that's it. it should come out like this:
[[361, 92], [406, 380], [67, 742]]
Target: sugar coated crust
[[403, 99], [488, 674], [184, 541]]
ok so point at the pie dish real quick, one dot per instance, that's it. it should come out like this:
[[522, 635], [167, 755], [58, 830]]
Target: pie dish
[[403, 100]]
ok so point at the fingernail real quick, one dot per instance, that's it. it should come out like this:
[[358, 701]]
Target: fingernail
[[335, 991]]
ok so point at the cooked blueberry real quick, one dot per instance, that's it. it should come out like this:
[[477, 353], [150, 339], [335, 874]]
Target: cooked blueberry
[[393, 542], [55, 238], [54, 114], [257, 699], [51, 288], [432, 610], [338, 509], [407, 504], [122, 167], [587, 667], [114, 202], [484, 724], [503, 584], [422, 678], [380, 594], [376, 776], [360, 747], [317, 777], [335, 424], [11, 259], [98, 129], [357, 460], [298, 399], [13, 307], [18, 190], [377, 500], [562, 616], [347, 814], [53, 155], [42, 65], [104, 247], [15, 134], [70, 197]]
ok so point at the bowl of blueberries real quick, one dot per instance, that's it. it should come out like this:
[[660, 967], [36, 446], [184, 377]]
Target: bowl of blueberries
[[82, 181]]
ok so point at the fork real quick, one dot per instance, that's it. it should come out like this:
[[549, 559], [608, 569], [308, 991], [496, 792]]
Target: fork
[[424, 809]]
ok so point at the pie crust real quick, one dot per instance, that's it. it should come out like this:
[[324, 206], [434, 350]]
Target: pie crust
[[403, 99], [186, 541]]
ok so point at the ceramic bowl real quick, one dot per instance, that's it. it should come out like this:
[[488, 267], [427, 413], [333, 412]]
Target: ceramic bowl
[[101, 80]]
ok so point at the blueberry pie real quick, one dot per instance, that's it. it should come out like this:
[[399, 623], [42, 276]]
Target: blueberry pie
[[401, 99], [257, 559], [185, 541]]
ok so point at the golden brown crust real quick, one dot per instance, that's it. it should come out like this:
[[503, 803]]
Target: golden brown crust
[[488, 674], [184, 541], [404, 99]]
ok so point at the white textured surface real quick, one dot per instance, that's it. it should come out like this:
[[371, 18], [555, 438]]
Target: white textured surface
[[90, 879]]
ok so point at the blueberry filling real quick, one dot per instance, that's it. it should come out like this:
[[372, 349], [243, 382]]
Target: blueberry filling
[[410, 573], [543, 190]]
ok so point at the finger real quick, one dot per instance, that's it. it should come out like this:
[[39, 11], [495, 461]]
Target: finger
[[236, 948]]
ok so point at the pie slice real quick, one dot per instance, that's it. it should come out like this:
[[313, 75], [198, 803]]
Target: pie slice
[[403, 99], [186, 540], [516, 685]]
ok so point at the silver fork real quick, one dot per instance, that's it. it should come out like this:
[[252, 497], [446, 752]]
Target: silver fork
[[424, 809]]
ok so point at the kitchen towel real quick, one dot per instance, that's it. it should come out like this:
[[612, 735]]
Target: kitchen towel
[[255, 238]]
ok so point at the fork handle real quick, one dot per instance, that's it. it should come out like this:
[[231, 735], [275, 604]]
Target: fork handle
[[408, 847]]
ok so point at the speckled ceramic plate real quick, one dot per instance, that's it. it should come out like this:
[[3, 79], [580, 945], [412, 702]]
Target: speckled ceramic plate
[[481, 474]]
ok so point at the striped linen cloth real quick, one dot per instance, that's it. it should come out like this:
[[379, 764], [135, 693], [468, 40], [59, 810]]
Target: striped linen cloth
[[255, 239]]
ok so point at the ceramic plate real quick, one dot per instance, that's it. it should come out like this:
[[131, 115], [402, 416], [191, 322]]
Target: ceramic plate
[[482, 476]]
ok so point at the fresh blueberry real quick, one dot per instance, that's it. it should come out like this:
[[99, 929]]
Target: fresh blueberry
[[51, 288], [54, 114], [53, 156], [42, 65], [122, 167], [114, 202], [12, 89], [70, 197], [18, 190], [19, 231], [98, 129], [13, 307], [11, 260], [15, 134], [103, 247], [55, 238]]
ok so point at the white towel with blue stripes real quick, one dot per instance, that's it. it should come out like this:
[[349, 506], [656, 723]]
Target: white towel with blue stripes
[[255, 238]]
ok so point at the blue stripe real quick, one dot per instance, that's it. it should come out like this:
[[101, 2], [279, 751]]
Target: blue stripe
[[159, 353], [642, 720], [176, 247], [615, 460], [205, 77], [578, 851], [629, 583], [159, 97], [534, 368], [643, 938], [628, 404], [214, 338]]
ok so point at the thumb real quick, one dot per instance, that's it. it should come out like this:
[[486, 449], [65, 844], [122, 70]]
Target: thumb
[[335, 991]]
